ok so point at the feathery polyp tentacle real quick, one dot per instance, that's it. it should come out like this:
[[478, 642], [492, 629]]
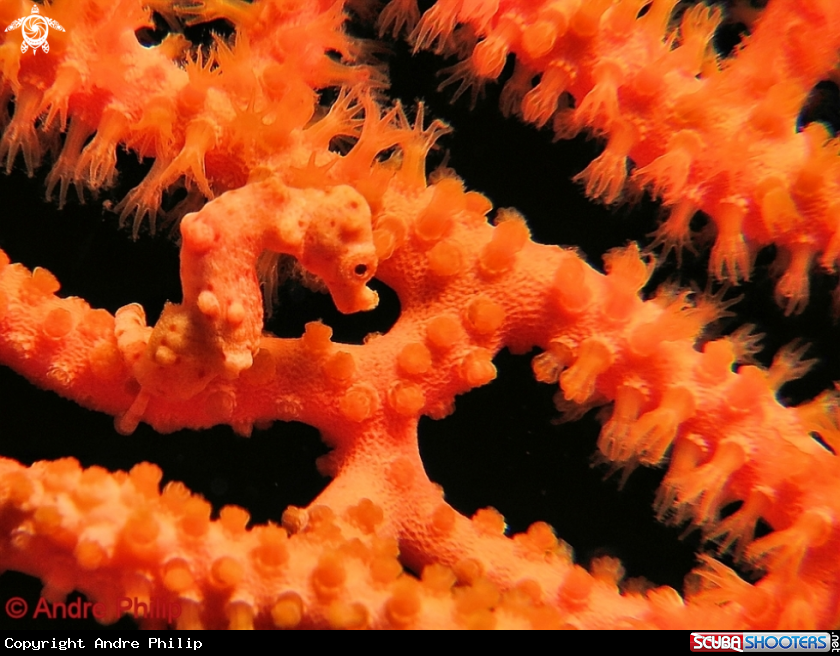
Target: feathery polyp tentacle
[[20, 134]]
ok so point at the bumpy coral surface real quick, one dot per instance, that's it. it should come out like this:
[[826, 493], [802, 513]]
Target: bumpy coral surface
[[246, 158]]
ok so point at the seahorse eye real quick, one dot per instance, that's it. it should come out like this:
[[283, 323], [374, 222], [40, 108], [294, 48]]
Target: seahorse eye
[[360, 270]]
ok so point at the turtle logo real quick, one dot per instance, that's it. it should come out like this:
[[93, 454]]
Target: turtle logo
[[34, 29]]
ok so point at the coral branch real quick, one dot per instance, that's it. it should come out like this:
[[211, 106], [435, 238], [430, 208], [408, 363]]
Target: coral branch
[[719, 135], [272, 169]]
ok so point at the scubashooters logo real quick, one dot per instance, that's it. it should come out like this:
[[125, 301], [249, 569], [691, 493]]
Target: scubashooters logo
[[35, 29], [757, 641]]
